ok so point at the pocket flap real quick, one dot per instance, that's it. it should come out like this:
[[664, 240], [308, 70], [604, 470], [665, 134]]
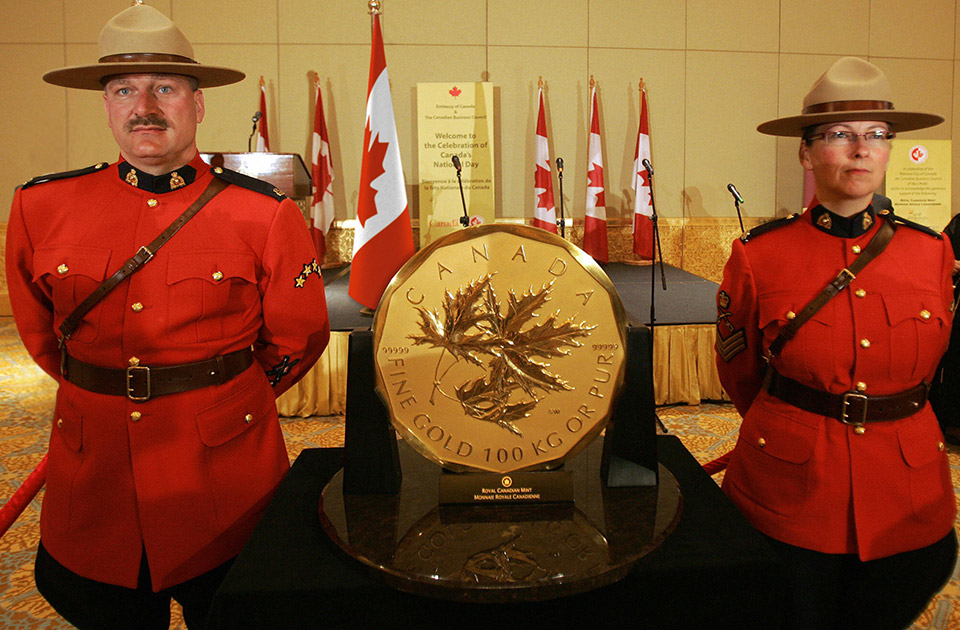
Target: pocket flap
[[923, 308], [920, 444], [225, 420], [63, 262], [68, 424], [211, 266], [780, 437]]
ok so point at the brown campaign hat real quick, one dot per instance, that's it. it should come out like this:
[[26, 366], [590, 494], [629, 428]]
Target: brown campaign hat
[[852, 89], [141, 40]]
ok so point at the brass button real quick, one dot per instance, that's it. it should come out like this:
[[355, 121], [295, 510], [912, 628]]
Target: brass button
[[217, 170], [218, 275], [925, 314], [761, 442], [861, 386], [865, 343], [135, 416], [137, 307], [939, 446], [856, 249], [248, 418], [59, 423], [152, 203], [791, 315], [134, 361], [62, 268], [859, 430], [861, 293]]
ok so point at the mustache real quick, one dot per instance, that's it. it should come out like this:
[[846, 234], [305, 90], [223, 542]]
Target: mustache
[[150, 120]]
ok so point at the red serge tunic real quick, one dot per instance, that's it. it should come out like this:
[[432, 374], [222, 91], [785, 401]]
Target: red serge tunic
[[185, 476], [809, 480]]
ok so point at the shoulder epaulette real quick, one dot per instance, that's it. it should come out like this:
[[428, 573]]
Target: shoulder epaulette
[[911, 224], [52, 177], [250, 183], [769, 226]]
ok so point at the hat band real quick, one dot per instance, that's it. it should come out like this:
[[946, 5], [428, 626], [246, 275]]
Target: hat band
[[145, 58], [846, 106]]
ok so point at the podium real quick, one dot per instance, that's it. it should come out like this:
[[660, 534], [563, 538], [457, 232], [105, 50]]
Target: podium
[[286, 171]]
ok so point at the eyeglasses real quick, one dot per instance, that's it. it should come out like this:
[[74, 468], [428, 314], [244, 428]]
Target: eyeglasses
[[842, 138]]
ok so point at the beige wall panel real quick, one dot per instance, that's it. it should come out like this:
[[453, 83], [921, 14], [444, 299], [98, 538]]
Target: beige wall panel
[[728, 94], [923, 85], [227, 21], [227, 124], [916, 29], [566, 89], [618, 73], [537, 23], [89, 140], [33, 130], [324, 22], [84, 19], [435, 22], [638, 24], [798, 73], [809, 26], [40, 21], [741, 25]]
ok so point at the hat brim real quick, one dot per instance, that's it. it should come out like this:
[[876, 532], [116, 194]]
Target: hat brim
[[88, 77], [898, 121]]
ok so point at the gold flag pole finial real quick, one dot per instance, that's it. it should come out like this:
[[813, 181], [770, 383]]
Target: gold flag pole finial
[[136, 2], [643, 86], [374, 6], [261, 81], [592, 82], [540, 82]]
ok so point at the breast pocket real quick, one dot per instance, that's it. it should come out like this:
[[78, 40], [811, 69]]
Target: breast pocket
[[807, 352], [919, 329], [72, 274], [213, 294]]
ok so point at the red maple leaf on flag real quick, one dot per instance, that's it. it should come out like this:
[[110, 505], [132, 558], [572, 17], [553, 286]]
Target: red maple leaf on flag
[[541, 179], [644, 178], [595, 180], [372, 168], [455, 91]]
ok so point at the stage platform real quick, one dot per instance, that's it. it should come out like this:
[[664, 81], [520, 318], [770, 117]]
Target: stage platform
[[684, 371]]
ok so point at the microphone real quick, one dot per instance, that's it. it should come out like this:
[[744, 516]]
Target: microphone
[[465, 219], [647, 165], [559, 164], [257, 115], [736, 194], [456, 164]]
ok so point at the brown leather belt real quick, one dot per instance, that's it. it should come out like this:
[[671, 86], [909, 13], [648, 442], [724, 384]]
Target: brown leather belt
[[851, 407], [141, 382]]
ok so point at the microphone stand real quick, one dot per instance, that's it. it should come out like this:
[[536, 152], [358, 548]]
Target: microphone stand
[[560, 221], [465, 219], [653, 274]]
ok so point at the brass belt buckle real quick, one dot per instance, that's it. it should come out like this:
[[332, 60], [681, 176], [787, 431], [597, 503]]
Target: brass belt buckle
[[845, 411], [130, 374]]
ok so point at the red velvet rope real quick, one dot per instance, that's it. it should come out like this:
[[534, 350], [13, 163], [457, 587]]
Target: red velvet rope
[[718, 464], [13, 508]]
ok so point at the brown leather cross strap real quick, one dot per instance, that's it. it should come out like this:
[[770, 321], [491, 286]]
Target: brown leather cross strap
[[70, 323], [143, 382], [876, 245]]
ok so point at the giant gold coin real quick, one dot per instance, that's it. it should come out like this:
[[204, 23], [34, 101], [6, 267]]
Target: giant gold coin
[[500, 348]]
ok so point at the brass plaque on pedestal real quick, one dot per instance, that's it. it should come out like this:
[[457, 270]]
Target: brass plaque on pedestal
[[500, 348]]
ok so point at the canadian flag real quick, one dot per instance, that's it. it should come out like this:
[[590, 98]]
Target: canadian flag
[[642, 208], [263, 135], [544, 210], [595, 216], [384, 240], [321, 208]]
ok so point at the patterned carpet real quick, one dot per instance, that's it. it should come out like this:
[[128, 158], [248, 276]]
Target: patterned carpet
[[27, 398]]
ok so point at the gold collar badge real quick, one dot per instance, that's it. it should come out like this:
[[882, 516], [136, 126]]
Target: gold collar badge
[[131, 178], [176, 181], [825, 221], [867, 221]]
